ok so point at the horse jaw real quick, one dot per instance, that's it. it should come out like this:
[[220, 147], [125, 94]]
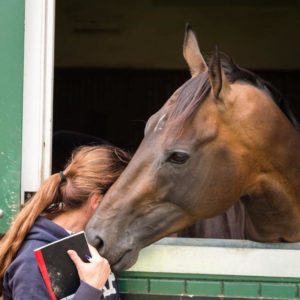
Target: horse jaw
[[121, 244], [126, 261]]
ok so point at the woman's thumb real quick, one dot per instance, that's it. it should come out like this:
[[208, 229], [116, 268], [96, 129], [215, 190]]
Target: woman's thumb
[[75, 258]]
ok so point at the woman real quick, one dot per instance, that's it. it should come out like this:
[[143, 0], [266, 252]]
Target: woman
[[63, 205]]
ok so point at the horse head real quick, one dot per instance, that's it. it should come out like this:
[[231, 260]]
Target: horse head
[[199, 155]]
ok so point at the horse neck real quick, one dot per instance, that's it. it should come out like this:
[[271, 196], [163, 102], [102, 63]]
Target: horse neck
[[273, 199]]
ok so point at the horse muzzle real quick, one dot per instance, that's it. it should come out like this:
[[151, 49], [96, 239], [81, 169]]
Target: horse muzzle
[[119, 256]]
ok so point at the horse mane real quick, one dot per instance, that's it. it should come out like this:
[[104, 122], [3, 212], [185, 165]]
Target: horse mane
[[194, 91], [235, 73]]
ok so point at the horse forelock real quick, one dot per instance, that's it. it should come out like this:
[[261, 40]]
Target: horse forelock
[[191, 95]]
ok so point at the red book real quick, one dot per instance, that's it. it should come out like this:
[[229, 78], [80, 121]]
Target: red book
[[58, 270]]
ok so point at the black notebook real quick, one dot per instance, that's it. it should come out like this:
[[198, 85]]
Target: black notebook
[[58, 270]]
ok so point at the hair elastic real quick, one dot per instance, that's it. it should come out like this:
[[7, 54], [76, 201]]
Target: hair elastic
[[63, 178]]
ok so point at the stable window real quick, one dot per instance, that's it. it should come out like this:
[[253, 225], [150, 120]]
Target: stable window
[[114, 66]]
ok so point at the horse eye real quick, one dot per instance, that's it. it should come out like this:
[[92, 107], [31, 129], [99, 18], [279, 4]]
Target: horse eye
[[178, 157]]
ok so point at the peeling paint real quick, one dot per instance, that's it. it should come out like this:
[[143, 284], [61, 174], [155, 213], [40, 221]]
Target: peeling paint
[[12, 15]]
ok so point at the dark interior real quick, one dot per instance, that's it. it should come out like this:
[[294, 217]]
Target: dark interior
[[117, 62], [114, 104]]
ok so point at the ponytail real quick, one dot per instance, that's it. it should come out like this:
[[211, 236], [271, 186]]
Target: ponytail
[[46, 196]]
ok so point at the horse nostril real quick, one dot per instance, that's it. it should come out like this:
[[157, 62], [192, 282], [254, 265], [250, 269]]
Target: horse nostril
[[99, 244]]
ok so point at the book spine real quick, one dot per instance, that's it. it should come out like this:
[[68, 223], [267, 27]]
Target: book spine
[[44, 272]]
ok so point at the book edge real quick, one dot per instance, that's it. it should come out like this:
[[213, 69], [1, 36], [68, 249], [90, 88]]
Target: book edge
[[60, 240], [44, 273]]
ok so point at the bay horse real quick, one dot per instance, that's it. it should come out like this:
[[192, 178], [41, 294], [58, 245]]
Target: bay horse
[[224, 135]]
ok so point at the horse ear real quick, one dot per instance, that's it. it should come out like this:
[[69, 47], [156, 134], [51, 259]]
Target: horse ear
[[216, 75], [192, 54]]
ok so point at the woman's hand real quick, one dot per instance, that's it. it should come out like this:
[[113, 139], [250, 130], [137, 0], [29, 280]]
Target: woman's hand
[[96, 272]]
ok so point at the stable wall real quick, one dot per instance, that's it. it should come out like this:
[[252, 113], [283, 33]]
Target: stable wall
[[149, 33], [181, 269], [11, 102]]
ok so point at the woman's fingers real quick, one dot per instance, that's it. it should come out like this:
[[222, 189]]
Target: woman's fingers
[[94, 251], [95, 272], [75, 258]]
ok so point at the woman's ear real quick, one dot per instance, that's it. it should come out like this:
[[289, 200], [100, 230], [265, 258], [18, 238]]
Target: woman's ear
[[95, 199]]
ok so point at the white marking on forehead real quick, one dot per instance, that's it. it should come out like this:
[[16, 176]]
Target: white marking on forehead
[[160, 124]]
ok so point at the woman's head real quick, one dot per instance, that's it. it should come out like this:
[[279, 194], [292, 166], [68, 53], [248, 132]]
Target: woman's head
[[90, 170]]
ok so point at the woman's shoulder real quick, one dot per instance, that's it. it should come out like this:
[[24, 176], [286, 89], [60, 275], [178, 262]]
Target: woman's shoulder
[[25, 258], [42, 233], [23, 270]]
